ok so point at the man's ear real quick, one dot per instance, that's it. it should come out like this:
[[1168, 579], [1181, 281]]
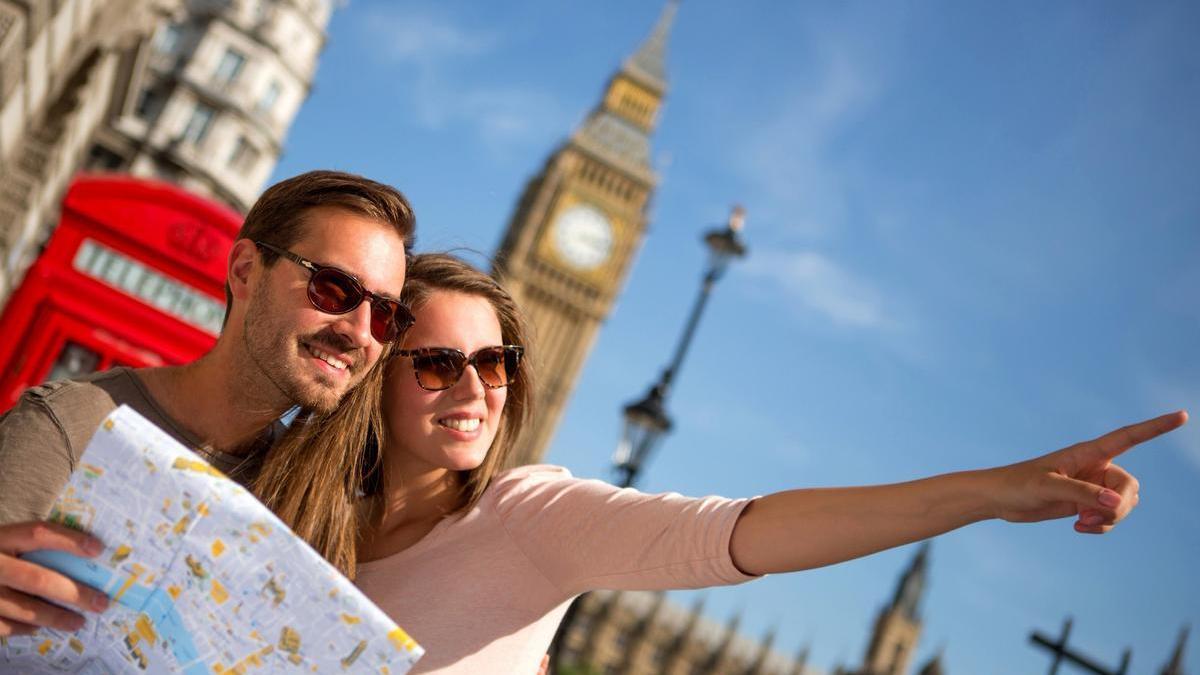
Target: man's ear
[[244, 263]]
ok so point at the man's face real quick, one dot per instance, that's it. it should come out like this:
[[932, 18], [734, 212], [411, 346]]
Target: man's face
[[311, 357]]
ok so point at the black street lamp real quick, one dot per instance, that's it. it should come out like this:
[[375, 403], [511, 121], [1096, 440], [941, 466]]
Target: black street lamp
[[646, 421]]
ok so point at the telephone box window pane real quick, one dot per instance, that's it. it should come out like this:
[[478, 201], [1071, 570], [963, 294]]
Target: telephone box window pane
[[150, 286], [73, 361]]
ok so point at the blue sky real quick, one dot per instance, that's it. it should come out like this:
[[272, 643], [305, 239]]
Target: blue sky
[[973, 228]]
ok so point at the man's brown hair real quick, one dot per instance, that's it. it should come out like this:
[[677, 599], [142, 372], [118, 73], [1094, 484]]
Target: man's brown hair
[[279, 215]]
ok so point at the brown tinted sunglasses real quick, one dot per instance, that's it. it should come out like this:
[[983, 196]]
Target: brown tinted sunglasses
[[439, 368], [336, 292]]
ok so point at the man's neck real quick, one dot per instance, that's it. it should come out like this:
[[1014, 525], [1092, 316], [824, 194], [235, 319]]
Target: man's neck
[[204, 398]]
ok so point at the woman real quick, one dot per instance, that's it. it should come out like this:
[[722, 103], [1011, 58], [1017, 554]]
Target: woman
[[478, 563]]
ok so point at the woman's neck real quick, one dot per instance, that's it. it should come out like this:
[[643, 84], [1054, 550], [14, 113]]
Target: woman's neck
[[419, 495], [413, 500]]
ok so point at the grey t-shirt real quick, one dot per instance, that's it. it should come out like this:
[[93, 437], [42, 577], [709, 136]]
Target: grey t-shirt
[[43, 435]]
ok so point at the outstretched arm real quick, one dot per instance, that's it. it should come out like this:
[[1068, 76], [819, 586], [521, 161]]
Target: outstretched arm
[[802, 529]]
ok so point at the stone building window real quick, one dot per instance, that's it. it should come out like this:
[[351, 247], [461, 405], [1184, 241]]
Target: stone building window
[[230, 66], [262, 10], [168, 38], [149, 104], [197, 127], [269, 97], [244, 156], [657, 656], [101, 158]]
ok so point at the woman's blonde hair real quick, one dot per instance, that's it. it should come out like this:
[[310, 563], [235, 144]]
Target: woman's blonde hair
[[315, 476]]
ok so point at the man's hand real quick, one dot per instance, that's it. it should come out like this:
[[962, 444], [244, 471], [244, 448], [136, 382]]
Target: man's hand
[[1079, 480], [25, 586]]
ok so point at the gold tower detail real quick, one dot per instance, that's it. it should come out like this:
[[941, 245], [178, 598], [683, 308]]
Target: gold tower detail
[[580, 221], [898, 627]]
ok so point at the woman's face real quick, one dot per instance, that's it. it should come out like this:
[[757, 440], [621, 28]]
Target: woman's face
[[453, 428]]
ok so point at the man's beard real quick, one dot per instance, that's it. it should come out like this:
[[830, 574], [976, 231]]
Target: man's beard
[[278, 354]]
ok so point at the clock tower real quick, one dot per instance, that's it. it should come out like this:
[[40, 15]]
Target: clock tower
[[577, 227]]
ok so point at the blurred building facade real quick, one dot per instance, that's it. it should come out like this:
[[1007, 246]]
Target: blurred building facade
[[579, 224], [211, 95], [195, 92], [640, 633], [60, 65]]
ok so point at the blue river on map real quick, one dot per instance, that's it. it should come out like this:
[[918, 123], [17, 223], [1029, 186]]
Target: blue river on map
[[154, 603]]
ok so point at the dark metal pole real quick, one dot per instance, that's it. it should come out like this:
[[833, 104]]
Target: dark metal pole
[[685, 340], [1063, 653]]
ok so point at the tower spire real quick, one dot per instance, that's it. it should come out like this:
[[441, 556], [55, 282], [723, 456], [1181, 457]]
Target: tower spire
[[649, 63], [912, 585], [1175, 665], [579, 224]]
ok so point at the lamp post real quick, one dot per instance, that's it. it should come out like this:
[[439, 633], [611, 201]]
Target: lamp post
[[646, 421]]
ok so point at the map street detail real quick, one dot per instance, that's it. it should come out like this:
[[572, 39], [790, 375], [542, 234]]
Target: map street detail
[[204, 578]]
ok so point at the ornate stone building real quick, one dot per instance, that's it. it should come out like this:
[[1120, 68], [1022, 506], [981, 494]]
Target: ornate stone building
[[640, 633], [197, 92], [578, 225], [60, 65], [898, 626], [210, 97]]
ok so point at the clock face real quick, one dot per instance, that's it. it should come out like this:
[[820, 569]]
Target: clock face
[[583, 236]]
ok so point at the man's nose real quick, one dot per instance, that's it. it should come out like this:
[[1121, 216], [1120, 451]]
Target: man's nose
[[355, 325]]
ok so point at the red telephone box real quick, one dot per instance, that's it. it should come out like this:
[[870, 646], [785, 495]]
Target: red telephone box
[[134, 275]]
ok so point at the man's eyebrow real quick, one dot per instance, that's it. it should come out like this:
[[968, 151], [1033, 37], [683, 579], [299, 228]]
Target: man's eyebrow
[[352, 275]]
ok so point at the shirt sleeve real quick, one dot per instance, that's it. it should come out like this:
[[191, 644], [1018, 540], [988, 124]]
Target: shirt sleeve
[[36, 460], [586, 534]]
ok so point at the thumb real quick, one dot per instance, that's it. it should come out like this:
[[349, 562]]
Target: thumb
[[1082, 493]]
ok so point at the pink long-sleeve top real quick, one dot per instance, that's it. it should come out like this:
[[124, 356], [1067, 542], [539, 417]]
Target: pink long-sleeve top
[[484, 593]]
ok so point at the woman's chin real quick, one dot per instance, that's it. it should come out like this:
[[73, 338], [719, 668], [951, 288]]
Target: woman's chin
[[464, 460]]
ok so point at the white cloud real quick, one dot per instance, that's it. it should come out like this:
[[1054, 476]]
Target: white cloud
[[417, 35], [501, 115], [788, 156], [436, 53], [821, 285]]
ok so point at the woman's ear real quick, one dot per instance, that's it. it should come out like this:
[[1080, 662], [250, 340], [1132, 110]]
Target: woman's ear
[[243, 261]]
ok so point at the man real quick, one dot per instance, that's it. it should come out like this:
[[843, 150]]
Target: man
[[311, 300]]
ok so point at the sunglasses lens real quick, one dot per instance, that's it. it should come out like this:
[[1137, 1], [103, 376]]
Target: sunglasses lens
[[389, 319], [383, 321], [334, 291], [439, 370], [496, 365]]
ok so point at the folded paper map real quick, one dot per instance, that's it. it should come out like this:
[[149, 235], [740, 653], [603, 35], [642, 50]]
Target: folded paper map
[[203, 577]]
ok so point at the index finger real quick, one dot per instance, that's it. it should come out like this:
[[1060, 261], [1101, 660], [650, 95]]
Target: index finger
[[36, 536], [1115, 442], [42, 582]]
